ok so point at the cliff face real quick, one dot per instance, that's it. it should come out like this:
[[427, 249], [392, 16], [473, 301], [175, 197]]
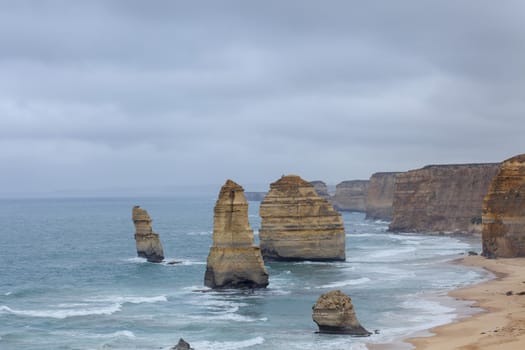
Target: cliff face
[[503, 232], [441, 198], [380, 196], [297, 224], [233, 261], [148, 242], [351, 195], [321, 189]]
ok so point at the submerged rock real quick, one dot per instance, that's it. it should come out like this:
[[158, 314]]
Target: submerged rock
[[334, 313], [182, 345], [148, 242], [298, 224], [503, 233], [234, 261]]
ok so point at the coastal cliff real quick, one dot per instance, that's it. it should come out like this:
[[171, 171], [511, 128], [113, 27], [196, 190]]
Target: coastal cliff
[[147, 241], [321, 189], [298, 224], [380, 196], [233, 261], [503, 232], [351, 195], [441, 198]]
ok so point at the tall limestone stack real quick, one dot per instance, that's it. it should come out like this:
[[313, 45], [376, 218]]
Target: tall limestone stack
[[441, 198], [148, 242], [334, 314], [233, 261], [351, 195], [380, 196], [503, 232], [297, 224]]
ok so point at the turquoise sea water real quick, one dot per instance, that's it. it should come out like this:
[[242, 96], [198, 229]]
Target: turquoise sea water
[[70, 279]]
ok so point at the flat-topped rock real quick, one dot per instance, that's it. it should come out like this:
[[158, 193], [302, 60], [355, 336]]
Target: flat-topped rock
[[148, 242], [334, 314], [351, 195], [298, 224], [234, 261], [503, 233]]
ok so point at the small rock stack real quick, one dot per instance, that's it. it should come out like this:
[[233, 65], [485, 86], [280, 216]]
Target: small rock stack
[[234, 261], [148, 242]]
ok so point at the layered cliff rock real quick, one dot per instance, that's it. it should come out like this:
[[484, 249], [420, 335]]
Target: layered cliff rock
[[148, 242], [233, 261], [298, 224], [351, 195], [503, 232], [380, 196], [321, 189], [334, 313], [441, 198]]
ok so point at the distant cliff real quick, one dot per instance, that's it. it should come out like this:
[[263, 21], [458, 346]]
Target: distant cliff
[[351, 195], [441, 198], [321, 189], [380, 196], [504, 211]]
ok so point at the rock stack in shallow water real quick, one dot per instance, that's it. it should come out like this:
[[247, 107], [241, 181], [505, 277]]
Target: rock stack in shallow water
[[148, 242], [233, 261], [334, 313], [297, 224], [503, 232]]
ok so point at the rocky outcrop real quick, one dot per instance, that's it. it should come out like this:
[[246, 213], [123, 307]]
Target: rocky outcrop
[[297, 224], [321, 189], [503, 232], [380, 196], [441, 198], [334, 313], [182, 345], [148, 242], [351, 195], [233, 261]]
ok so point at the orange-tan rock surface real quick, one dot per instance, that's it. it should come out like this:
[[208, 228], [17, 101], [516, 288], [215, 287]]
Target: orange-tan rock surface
[[234, 261], [334, 313], [503, 232], [380, 196], [351, 195], [441, 198], [148, 242], [298, 224]]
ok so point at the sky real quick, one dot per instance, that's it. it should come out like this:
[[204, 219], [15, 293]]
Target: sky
[[107, 95]]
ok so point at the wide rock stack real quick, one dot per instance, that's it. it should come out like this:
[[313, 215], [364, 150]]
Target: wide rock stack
[[503, 232], [334, 313], [351, 195], [234, 261], [148, 242], [297, 224]]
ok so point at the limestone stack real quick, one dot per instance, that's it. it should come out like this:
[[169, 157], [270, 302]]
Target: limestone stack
[[503, 232], [334, 313], [441, 198], [321, 189], [148, 242], [380, 196], [351, 195], [297, 224], [234, 261]]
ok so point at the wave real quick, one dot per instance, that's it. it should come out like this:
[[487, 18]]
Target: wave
[[132, 300], [352, 282], [228, 345], [199, 233], [64, 313]]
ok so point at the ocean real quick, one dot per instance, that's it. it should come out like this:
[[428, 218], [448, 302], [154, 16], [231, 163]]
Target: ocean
[[70, 279]]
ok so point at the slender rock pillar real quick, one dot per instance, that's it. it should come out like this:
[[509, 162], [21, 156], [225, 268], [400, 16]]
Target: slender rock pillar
[[148, 242]]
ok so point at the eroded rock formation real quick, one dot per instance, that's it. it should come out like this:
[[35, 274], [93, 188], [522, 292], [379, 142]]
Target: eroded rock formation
[[503, 232], [321, 189], [297, 224], [351, 195], [148, 242], [380, 196], [441, 198], [182, 345], [233, 261], [334, 313]]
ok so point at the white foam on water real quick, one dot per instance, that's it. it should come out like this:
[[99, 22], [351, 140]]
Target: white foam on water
[[340, 284], [189, 263], [8, 293], [199, 233], [137, 260], [228, 345], [64, 313], [129, 299]]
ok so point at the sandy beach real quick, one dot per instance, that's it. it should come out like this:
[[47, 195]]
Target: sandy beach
[[501, 326]]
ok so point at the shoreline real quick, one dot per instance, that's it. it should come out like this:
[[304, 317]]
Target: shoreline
[[500, 324]]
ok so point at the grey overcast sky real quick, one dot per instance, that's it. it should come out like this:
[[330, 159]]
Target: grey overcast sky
[[133, 94]]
